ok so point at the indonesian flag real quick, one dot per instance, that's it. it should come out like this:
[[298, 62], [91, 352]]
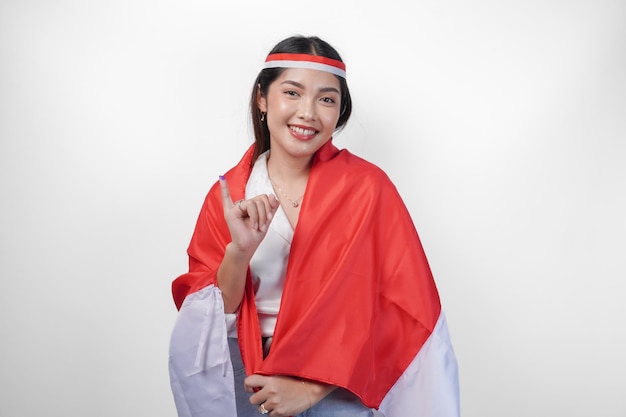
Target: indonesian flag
[[360, 309]]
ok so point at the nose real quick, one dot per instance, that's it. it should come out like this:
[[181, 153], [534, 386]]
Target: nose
[[306, 110]]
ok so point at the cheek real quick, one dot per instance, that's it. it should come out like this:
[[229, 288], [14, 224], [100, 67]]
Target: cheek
[[330, 118], [280, 104]]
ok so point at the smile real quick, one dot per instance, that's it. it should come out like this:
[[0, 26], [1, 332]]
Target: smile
[[302, 131]]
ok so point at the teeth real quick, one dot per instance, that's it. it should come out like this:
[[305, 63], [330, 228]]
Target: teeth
[[302, 131]]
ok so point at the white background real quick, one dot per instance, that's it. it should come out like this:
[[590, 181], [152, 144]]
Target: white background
[[502, 124]]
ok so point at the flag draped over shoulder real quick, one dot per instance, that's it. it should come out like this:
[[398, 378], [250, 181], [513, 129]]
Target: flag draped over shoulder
[[360, 308]]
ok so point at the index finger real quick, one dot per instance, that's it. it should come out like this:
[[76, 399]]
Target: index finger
[[227, 201]]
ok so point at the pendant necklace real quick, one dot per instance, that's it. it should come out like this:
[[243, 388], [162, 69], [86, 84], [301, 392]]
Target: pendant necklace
[[295, 203]]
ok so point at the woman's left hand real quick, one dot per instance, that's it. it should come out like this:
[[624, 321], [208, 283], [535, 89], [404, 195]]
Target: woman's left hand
[[283, 395]]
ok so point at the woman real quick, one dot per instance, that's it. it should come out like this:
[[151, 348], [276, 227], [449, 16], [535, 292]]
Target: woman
[[305, 271]]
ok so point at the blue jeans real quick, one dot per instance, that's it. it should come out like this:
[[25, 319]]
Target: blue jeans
[[339, 403]]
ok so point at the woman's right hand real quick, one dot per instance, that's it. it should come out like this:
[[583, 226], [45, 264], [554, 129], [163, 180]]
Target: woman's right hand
[[248, 220]]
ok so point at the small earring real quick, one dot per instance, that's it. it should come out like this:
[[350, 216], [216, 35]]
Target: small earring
[[262, 116]]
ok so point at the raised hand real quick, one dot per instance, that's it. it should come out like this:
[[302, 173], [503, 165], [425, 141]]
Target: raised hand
[[248, 220]]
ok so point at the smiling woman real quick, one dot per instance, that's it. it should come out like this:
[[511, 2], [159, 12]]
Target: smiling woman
[[302, 108], [308, 291]]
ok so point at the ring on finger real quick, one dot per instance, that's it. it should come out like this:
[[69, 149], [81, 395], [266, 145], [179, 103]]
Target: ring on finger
[[262, 409], [238, 203]]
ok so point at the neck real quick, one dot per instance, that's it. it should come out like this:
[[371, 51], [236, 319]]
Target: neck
[[288, 171], [289, 178]]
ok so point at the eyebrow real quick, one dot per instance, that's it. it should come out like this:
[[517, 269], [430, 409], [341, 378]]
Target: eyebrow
[[321, 90]]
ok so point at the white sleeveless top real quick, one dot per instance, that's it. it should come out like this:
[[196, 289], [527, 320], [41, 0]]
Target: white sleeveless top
[[269, 263]]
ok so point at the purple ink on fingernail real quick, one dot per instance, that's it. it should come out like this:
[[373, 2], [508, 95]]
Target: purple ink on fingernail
[[222, 178]]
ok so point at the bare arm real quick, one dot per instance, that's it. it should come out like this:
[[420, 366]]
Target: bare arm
[[248, 221]]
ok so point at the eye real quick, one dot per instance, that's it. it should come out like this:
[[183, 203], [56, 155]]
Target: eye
[[328, 100], [291, 93]]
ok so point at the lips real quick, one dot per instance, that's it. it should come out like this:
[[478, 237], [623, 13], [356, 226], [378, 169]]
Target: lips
[[302, 132]]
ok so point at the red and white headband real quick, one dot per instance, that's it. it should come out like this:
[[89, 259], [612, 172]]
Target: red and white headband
[[315, 62]]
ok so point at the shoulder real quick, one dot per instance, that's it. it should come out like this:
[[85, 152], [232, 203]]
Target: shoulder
[[329, 157], [343, 174], [359, 170]]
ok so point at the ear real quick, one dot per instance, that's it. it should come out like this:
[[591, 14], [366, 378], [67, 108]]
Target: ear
[[261, 102]]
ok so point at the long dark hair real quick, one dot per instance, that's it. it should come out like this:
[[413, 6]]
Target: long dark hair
[[311, 45]]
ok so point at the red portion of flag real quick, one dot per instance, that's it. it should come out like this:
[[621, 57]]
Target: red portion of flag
[[359, 299]]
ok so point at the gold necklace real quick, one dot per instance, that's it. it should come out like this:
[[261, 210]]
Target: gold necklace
[[294, 203]]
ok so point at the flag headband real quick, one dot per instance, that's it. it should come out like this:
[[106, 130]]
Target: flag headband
[[320, 63]]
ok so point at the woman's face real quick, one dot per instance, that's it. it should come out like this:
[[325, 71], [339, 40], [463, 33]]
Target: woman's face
[[302, 107]]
